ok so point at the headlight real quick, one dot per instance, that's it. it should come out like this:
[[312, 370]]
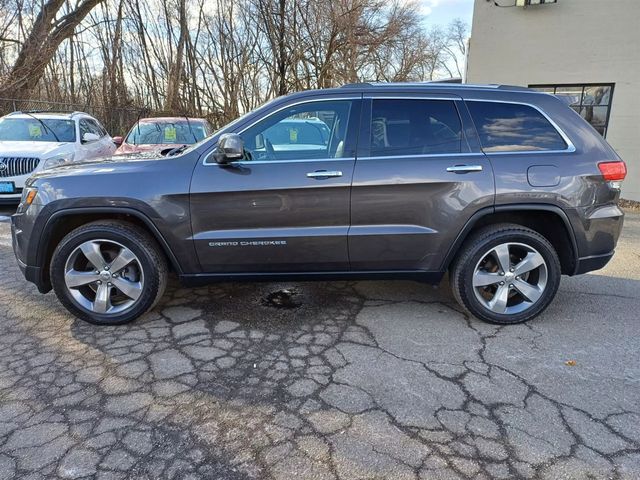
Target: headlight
[[57, 160]]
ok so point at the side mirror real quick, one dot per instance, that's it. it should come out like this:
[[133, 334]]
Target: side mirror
[[230, 149], [117, 141], [90, 137]]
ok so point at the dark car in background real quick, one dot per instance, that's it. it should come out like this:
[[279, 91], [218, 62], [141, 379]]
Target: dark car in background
[[504, 188], [161, 133]]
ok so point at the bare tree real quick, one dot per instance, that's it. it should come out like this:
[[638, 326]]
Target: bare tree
[[172, 100], [456, 45], [49, 30], [214, 58]]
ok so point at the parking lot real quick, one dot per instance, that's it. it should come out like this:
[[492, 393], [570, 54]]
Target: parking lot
[[338, 380]]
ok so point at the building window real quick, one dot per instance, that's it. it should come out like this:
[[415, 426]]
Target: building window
[[591, 101]]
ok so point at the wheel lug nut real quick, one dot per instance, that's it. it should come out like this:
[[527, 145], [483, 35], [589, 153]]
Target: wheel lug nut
[[109, 284], [114, 275], [501, 273], [511, 285], [512, 269], [99, 282], [501, 283], [107, 267]]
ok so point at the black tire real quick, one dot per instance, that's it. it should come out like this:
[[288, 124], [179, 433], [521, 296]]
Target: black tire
[[152, 262], [475, 248]]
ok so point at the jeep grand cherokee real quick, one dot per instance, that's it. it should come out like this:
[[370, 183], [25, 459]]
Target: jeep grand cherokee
[[503, 187]]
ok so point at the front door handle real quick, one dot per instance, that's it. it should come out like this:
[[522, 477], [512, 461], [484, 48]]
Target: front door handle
[[324, 174], [464, 168]]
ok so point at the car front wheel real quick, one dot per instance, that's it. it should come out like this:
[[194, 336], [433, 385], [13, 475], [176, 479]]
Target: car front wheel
[[506, 274], [108, 272]]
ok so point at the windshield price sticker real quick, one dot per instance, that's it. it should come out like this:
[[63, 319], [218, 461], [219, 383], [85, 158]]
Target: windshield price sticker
[[293, 135], [170, 134], [34, 130]]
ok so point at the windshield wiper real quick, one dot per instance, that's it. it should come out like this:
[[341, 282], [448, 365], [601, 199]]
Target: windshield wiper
[[137, 127], [176, 150], [190, 129], [46, 129]]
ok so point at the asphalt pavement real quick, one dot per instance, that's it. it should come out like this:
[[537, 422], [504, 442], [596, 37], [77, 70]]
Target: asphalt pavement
[[331, 380]]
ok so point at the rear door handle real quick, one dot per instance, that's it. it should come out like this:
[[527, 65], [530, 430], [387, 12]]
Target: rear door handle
[[324, 174], [464, 168]]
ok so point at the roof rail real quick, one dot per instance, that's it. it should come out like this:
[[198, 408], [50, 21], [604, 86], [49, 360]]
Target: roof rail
[[54, 112], [447, 80], [357, 85], [38, 110], [446, 83]]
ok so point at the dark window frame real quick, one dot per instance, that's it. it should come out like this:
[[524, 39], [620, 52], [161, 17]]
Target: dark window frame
[[556, 86]]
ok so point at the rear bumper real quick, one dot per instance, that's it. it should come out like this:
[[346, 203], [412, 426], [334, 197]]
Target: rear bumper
[[595, 262], [596, 229]]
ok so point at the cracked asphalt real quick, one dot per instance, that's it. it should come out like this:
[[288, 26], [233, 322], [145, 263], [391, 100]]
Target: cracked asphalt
[[338, 380]]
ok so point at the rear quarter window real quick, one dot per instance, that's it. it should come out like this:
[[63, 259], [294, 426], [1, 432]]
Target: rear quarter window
[[510, 127]]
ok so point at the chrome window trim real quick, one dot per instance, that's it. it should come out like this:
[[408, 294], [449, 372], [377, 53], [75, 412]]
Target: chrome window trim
[[306, 160], [570, 146], [410, 96], [206, 163], [426, 155]]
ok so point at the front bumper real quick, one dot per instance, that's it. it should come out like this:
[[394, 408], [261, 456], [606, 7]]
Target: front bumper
[[21, 229], [13, 198]]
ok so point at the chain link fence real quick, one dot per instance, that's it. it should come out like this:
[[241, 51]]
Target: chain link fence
[[117, 121]]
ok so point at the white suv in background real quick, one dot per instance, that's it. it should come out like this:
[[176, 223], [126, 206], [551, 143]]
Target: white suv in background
[[34, 141]]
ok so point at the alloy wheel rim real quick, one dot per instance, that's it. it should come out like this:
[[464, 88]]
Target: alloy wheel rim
[[510, 278], [104, 277]]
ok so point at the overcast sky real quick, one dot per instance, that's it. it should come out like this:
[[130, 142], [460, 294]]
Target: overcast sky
[[442, 12]]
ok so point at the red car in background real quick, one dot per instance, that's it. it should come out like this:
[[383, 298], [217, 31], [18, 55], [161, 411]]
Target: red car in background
[[156, 134]]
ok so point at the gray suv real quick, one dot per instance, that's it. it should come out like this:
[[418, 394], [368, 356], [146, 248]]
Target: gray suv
[[503, 187]]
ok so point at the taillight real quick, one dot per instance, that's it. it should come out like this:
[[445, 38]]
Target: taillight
[[613, 171]]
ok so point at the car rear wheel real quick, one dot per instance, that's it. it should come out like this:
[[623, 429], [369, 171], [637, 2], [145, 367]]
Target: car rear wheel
[[505, 274], [108, 273]]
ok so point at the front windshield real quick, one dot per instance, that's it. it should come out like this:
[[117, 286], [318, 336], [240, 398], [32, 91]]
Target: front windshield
[[31, 130], [166, 133]]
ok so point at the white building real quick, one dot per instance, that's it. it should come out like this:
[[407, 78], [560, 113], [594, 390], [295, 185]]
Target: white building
[[585, 50]]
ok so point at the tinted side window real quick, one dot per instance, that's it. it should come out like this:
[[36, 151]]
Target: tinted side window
[[85, 127], [100, 129], [507, 127], [89, 126], [414, 127]]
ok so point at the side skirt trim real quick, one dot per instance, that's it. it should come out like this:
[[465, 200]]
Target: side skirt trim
[[416, 275]]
